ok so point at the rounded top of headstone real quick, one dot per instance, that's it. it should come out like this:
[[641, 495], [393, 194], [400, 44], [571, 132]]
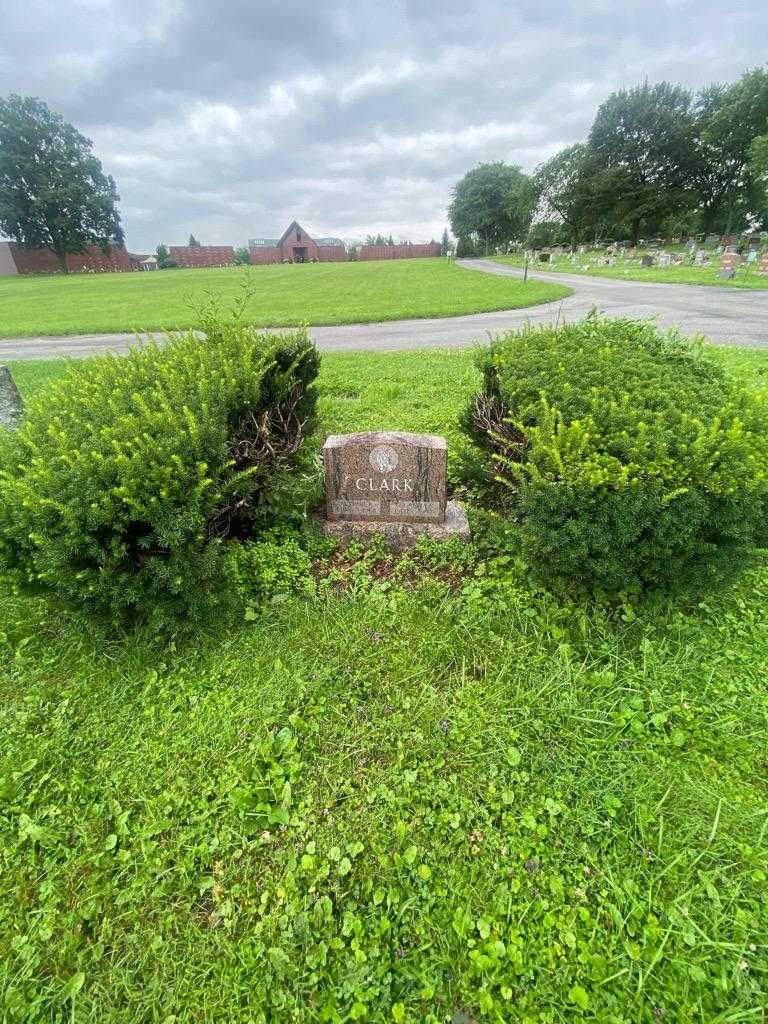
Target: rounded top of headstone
[[385, 439]]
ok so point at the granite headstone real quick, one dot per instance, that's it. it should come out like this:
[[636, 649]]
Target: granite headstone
[[11, 405], [392, 483]]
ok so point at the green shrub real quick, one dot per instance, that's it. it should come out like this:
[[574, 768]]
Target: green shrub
[[628, 457], [130, 475], [272, 568]]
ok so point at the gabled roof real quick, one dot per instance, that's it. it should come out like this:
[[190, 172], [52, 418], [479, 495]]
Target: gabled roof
[[289, 229]]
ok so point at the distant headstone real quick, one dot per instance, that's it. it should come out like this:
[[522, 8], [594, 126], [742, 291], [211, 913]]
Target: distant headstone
[[727, 274], [712, 241], [729, 261], [646, 261], [390, 483], [763, 265], [11, 405]]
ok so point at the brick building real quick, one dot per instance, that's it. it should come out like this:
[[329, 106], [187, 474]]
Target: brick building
[[296, 246], [399, 252], [202, 255], [18, 259]]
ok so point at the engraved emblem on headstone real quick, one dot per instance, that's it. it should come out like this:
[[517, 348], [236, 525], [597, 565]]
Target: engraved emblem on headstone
[[383, 458]]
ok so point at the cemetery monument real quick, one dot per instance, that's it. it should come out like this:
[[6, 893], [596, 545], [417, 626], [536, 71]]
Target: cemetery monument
[[389, 483]]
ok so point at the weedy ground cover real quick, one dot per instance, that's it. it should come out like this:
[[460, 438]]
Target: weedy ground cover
[[429, 792]]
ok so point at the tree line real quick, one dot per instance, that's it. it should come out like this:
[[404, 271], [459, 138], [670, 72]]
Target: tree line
[[659, 160]]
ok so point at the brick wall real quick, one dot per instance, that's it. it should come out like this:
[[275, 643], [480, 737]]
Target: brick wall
[[202, 256], [331, 253], [261, 254], [398, 252], [43, 261]]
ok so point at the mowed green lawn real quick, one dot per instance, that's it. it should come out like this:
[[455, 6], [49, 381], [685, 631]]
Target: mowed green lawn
[[320, 293], [686, 274], [487, 804]]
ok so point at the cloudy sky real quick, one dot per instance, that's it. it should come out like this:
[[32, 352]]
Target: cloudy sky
[[229, 118]]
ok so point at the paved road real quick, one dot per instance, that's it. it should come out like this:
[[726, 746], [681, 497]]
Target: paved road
[[727, 316]]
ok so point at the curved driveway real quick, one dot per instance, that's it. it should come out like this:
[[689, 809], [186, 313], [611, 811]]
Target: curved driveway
[[727, 316]]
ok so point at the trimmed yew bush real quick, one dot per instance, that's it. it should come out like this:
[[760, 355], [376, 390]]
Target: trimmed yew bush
[[627, 456], [130, 475]]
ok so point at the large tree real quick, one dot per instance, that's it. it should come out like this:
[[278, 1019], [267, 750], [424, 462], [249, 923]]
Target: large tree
[[492, 204], [53, 192], [645, 156], [758, 158], [730, 118], [563, 187]]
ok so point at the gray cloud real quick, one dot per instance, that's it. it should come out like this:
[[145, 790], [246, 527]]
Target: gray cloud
[[229, 119]]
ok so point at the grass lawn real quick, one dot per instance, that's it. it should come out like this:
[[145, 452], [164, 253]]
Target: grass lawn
[[321, 293], [630, 271], [427, 794]]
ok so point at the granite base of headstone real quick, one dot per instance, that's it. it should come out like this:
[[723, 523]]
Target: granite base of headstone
[[11, 405], [391, 484], [726, 274]]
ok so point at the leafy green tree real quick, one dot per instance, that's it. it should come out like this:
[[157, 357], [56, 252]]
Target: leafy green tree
[[164, 261], [644, 156], [242, 256], [53, 192], [467, 247], [730, 118], [162, 256], [548, 232], [758, 158], [758, 166], [193, 242], [493, 203], [562, 185], [445, 243]]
